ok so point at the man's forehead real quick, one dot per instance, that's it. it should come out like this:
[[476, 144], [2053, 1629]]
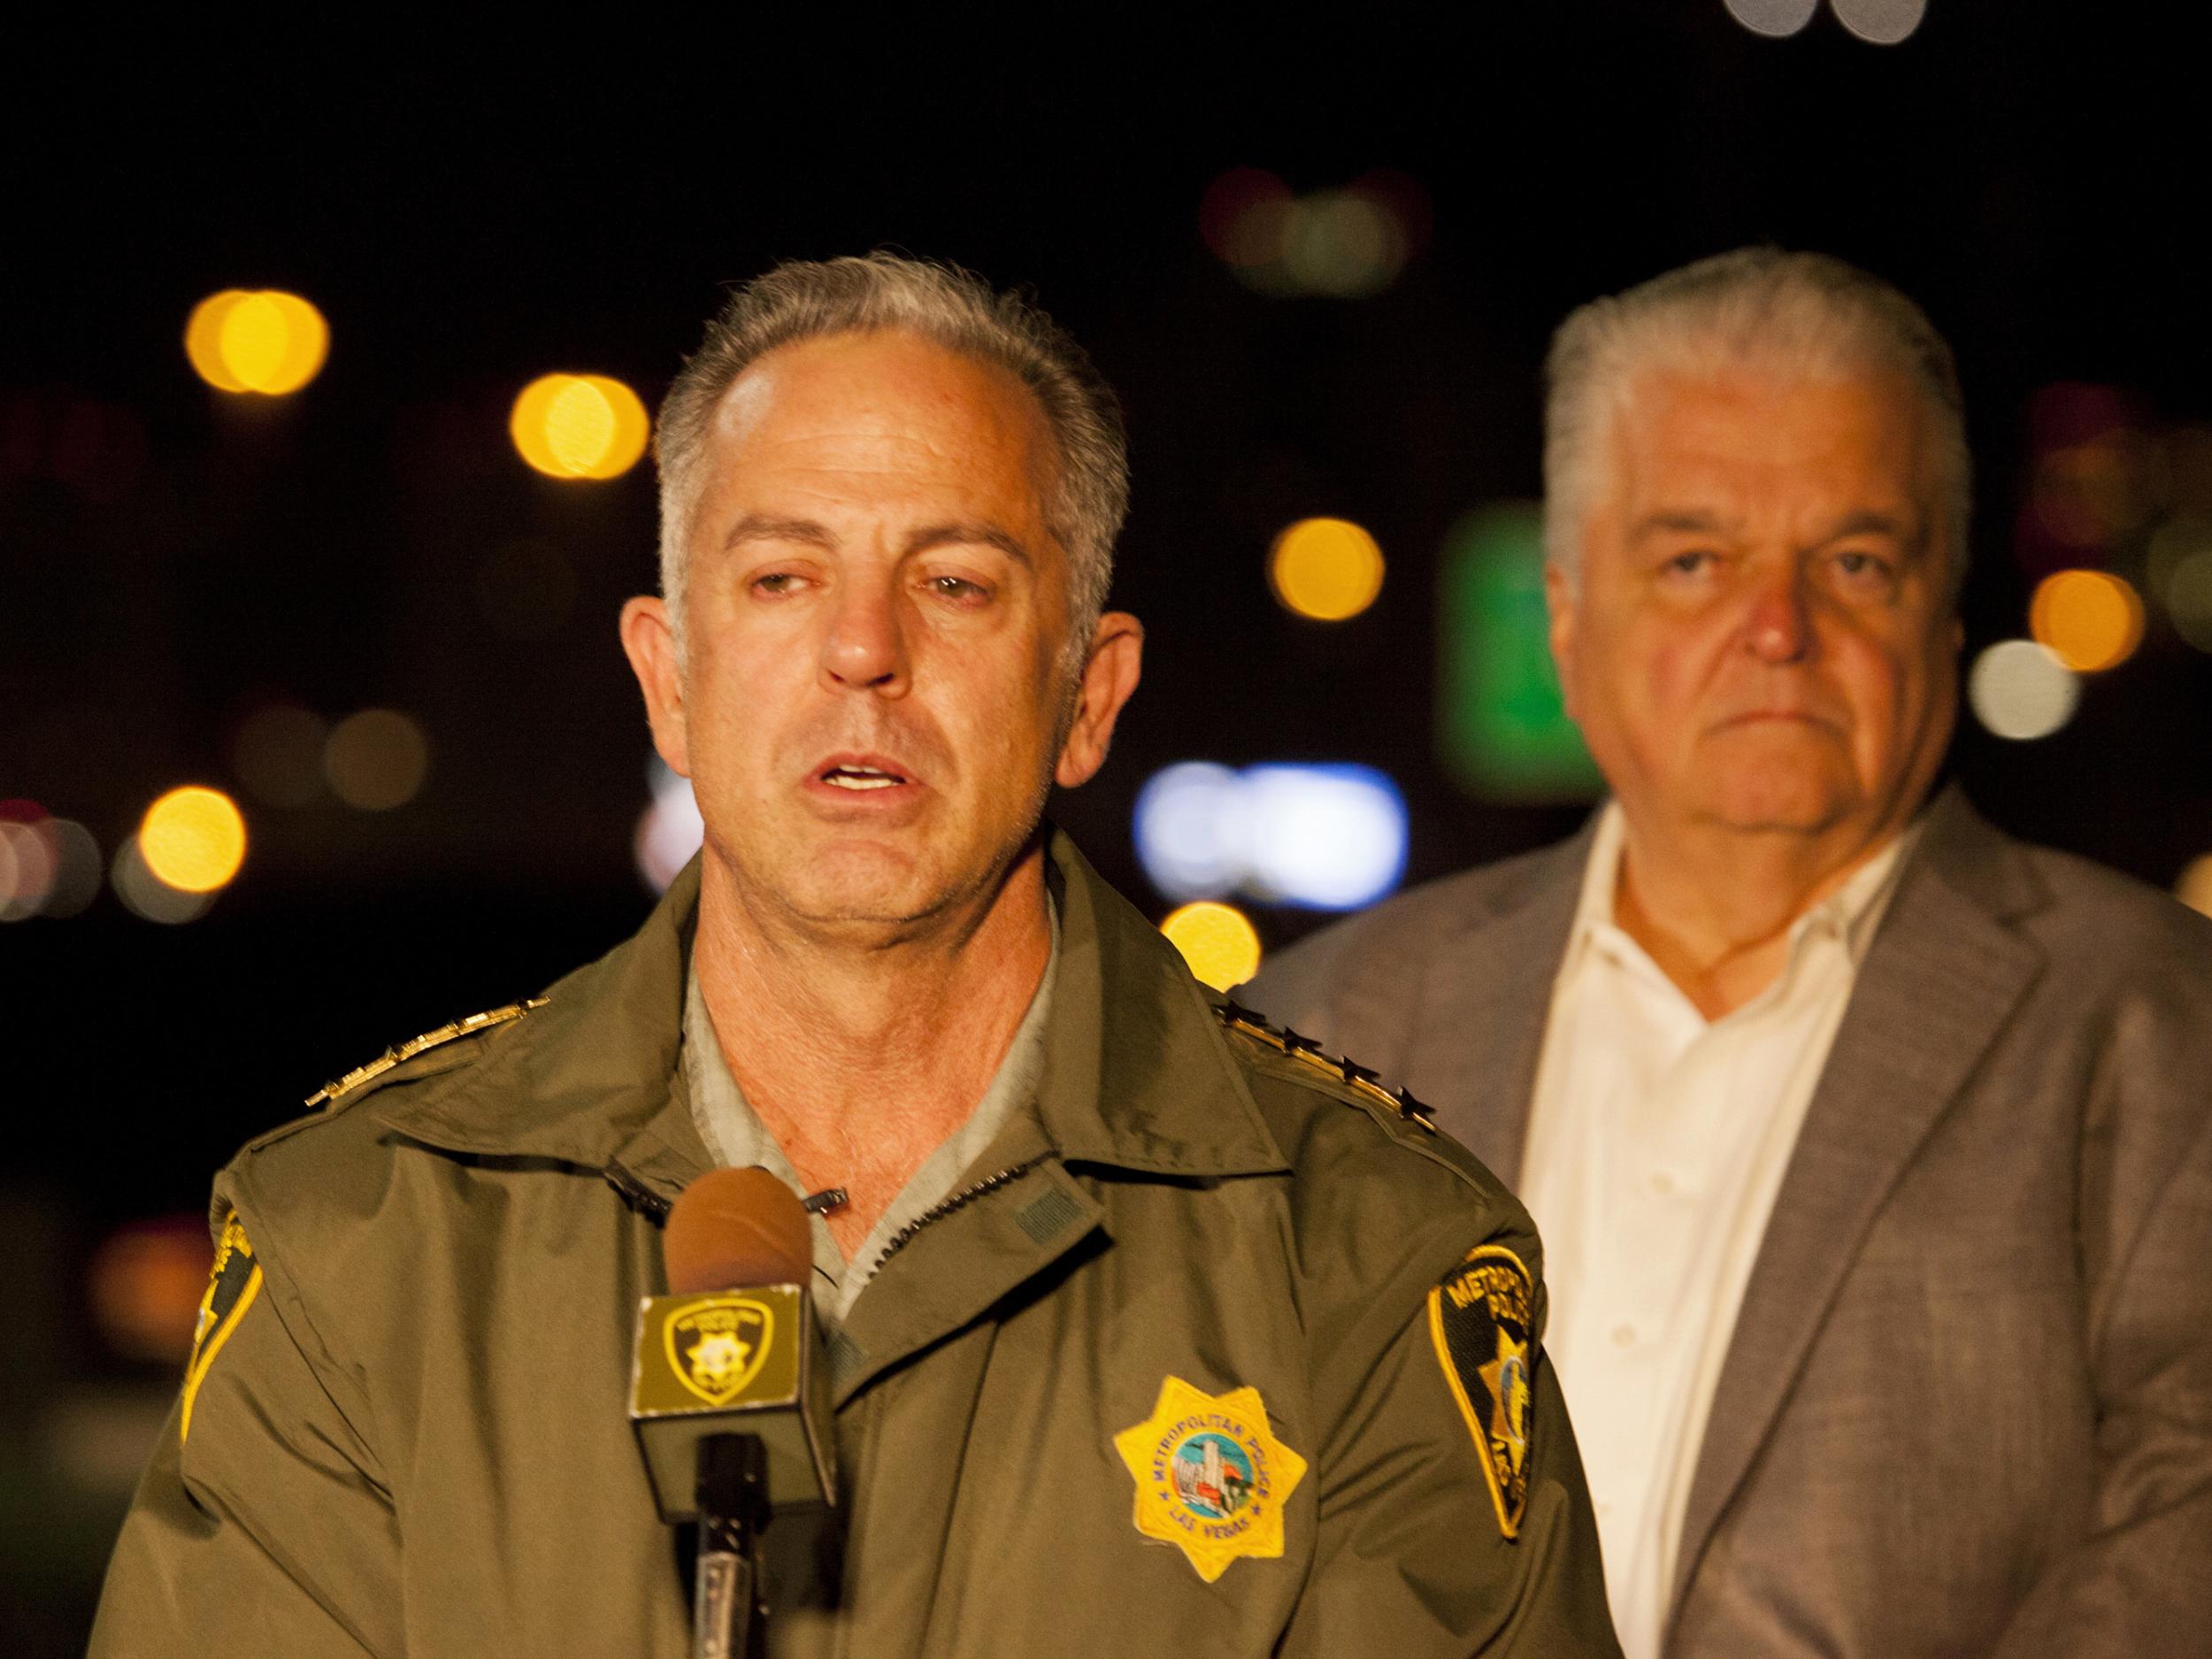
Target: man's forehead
[[885, 383], [1682, 441]]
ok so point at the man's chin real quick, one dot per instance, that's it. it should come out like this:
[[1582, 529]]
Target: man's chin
[[1780, 807]]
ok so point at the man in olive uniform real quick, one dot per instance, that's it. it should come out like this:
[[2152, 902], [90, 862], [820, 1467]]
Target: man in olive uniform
[[1152, 1329]]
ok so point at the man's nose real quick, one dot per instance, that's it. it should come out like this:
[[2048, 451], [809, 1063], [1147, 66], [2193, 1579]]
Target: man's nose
[[864, 649], [1778, 623]]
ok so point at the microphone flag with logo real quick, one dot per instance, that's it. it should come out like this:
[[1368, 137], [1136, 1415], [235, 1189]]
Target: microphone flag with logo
[[733, 1349]]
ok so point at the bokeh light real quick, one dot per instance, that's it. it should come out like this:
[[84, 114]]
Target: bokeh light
[[77, 867], [278, 755], [2088, 619], [1245, 218], [48, 866], [1775, 19], [1341, 244], [147, 896], [2019, 689], [27, 869], [193, 839], [2189, 598], [1325, 837], [1219, 943], [146, 1282], [670, 830], [1328, 569], [265, 341], [2195, 889], [1329, 836], [1880, 22], [376, 760], [1193, 830], [580, 425]]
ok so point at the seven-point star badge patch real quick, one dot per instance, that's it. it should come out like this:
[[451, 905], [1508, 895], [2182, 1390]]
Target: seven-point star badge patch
[[1481, 1320], [1211, 1477]]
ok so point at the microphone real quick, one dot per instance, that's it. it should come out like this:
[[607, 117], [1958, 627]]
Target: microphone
[[729, 1399]]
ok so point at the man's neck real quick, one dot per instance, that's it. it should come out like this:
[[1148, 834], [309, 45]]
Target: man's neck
[[1713, 906], [862, 1056]]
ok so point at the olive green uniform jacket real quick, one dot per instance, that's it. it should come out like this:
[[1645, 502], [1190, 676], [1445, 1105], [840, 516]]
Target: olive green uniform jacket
[[411, 1438]]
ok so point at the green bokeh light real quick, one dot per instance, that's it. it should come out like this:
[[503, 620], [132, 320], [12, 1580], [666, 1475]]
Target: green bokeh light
[[1501, 731]]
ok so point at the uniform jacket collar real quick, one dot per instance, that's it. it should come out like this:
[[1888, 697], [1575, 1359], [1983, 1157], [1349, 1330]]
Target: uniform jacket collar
[[1138, 1072]]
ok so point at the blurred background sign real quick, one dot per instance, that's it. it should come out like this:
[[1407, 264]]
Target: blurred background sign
[[1501, 731]]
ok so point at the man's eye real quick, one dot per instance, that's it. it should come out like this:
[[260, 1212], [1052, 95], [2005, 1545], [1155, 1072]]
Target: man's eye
[[1690, 564], [955, 588], [1862, 567], [775, 582]]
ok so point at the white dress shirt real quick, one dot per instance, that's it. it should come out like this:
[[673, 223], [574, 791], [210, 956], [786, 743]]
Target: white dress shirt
[[1656, 1144]]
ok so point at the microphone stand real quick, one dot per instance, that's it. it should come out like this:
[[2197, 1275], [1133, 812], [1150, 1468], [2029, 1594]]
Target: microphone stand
[[729, 1614]]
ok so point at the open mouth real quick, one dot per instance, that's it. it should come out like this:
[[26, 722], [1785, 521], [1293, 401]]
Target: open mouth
[[861, 778]]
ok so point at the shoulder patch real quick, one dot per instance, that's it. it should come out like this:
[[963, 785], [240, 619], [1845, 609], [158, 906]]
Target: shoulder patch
[[398, 1054], [1360, 1079], [233, 1284], [1481, 1320]]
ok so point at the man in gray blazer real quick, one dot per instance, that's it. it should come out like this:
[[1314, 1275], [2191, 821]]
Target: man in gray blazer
[[1872, 1148]]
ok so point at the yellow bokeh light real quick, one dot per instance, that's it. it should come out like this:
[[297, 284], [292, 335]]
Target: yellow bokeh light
[[1221, 947], [1328, 569], [2195, 889], [2088, 619], [580, 425], [193, 839], [268, 343]]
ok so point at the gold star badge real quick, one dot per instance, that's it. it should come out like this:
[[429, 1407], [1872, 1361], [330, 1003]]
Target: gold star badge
[[1507, 1379], [1212, 1478]]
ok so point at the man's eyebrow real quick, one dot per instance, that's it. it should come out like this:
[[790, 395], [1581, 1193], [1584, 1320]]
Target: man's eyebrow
[[953, 535], [1677, 521], [1867, 522], [755, 527]]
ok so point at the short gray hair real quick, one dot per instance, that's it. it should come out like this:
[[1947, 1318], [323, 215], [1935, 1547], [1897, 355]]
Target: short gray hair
[[1805, 312], [805, 300]]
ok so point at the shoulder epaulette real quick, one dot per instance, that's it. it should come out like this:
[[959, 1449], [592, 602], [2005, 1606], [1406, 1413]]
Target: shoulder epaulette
[[398, 1054], [1359, 1078]]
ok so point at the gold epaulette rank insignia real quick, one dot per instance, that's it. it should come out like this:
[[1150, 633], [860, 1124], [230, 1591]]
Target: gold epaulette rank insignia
[[330, 1094], [1359, 1078]]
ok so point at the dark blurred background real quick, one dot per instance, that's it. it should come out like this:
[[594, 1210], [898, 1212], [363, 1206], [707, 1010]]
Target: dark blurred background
[[1319, 255]]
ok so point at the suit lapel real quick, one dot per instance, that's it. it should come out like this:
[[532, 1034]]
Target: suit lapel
[[1942, 978], [1477, 1026]]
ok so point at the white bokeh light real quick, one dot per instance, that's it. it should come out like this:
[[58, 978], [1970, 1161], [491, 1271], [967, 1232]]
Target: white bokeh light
[[1330, 838], [1880, 22], [669, 831], [1324, 837], [1774, 19], [1192, 831], [2020, 690]]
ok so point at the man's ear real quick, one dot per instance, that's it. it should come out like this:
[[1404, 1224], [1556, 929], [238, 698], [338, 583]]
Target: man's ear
[[651, 644], [1560, 601], [1110, 673]]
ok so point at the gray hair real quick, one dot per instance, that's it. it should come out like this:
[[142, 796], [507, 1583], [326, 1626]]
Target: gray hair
[[804, 300], [1804, 312]]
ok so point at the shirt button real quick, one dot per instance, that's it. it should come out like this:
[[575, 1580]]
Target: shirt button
[[1624, 1336], [1663, 1183]]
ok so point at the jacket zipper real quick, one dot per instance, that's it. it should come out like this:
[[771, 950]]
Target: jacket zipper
[[945, 1206]]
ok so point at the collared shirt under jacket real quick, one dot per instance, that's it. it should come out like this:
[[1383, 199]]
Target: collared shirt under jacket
[[407, 1435]]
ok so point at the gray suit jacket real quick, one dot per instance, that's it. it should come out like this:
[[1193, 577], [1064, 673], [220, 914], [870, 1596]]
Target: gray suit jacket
[[1967, 1404]]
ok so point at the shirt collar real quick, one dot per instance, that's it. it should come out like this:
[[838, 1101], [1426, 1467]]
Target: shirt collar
[[1138, 1072], [1852, 913]]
